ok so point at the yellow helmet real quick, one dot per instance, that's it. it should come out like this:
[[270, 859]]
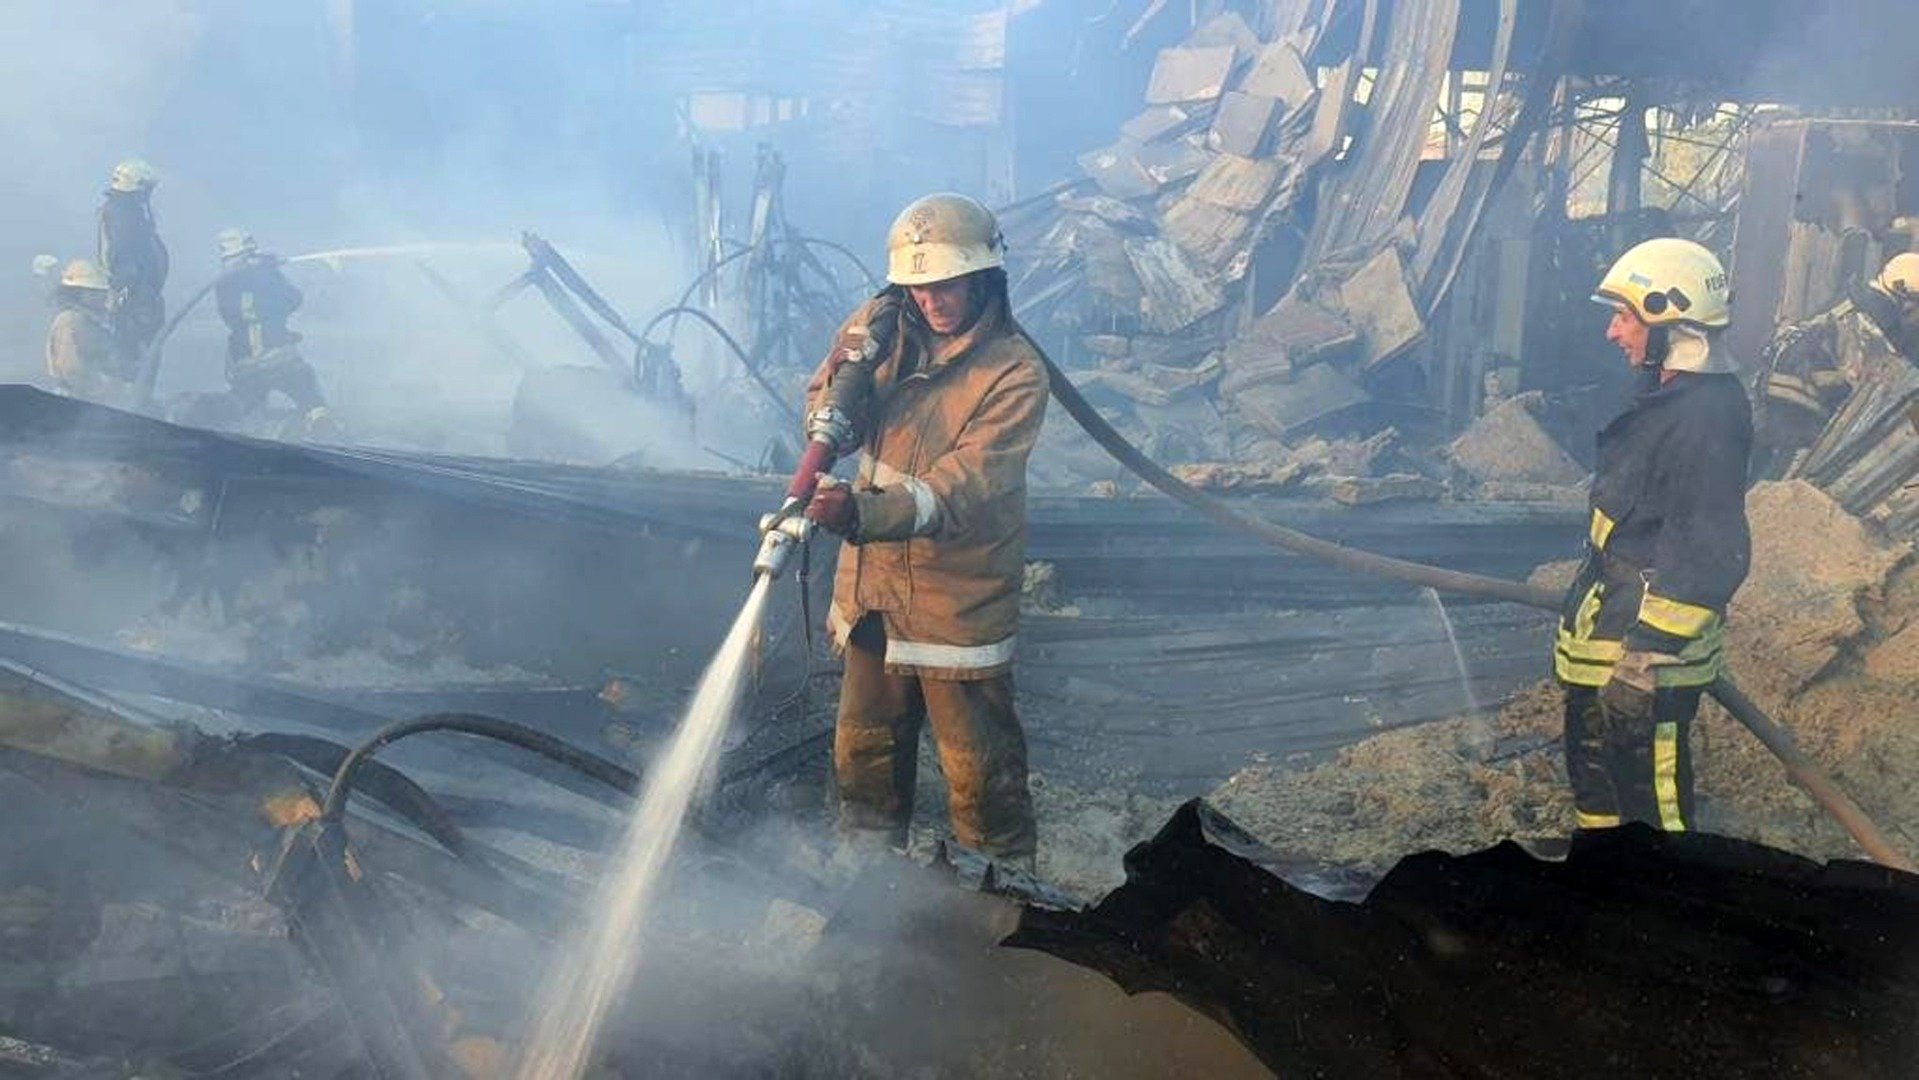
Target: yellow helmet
[[941, 237], [1899, 278], [83, 274], [234, 243], [1669, 282], [133, 174]]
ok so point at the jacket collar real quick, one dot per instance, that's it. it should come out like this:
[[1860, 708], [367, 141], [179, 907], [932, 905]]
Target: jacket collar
[[1649, 393]]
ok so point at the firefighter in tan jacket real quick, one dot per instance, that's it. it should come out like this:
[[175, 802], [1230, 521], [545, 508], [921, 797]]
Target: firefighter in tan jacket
[[926, 602]]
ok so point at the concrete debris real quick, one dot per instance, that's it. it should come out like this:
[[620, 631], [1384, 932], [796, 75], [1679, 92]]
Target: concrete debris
[[1169, 162], [1158, 122], [1294, 334], [1151, 384], [1117, 171], [1317, 392], [1190, 74], [1237, 183], [1365, 490], [1213, 235], [1239, 478], [1377, 303], [1814, 568], [1508, 443], [1174, 294], [1279, 74], [1243, 121]]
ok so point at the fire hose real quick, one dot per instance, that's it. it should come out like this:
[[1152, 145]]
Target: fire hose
[[1803, 771], [829, 433]]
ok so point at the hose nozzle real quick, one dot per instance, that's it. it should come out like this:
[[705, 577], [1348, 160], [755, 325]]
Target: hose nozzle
[[781, 532]]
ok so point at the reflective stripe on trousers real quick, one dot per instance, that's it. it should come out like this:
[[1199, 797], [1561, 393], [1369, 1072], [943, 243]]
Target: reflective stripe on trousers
[[982, 750], [1631, 771]]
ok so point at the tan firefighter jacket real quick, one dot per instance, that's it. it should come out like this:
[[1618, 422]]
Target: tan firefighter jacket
[[940, 549]]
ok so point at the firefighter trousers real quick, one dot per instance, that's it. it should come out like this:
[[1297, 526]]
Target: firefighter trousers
[[982, 751], [1631, 770]]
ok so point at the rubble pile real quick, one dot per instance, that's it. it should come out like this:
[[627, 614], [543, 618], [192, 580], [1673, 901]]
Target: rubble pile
[[1237, 182], [1822, 636]]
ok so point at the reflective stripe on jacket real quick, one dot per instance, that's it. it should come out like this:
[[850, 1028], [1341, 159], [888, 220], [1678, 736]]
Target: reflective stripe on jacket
[[941, 495], [1668, 543]]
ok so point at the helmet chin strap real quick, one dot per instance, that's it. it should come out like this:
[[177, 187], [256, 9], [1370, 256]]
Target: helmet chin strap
[[1658, 346]]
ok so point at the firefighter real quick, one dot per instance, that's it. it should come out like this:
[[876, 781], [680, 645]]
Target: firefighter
[[1812, 367], [926, 601], [82, 358], [256, 300], [133, 257], [1639, 636]]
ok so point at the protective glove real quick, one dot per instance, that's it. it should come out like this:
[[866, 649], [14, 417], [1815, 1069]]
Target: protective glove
[[869, 340], [1628, 694], [833, 508]]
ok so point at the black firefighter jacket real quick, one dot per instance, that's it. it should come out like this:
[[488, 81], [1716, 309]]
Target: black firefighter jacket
[[256, 300], [1668, 543]]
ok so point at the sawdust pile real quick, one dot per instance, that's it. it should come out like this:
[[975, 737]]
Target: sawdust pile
[[1824, 636]]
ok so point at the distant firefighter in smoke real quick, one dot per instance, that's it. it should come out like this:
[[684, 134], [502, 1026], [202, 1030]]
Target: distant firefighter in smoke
[[133, 257], [927, 598], [1641, 631], [82, 357], [1811, 368], [256, 300]]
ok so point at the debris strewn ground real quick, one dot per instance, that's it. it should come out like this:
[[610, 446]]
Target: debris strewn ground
[[1825, 636]]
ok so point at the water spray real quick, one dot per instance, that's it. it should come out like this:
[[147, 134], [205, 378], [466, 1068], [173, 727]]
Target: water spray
[[598, 965]]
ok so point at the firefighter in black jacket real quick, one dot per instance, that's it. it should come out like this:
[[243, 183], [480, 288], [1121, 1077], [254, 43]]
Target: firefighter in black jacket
[[134, 258], [1639, 636], [263, 355]]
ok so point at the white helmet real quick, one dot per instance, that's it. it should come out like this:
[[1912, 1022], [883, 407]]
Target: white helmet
[[1679, 288], [83, 274], [1669, 282], [133, 174], [235, 243], [941, 237], [1899, 278]]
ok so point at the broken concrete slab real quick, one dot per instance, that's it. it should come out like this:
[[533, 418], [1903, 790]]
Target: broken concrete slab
[[1117, 171], [1328, 131], [1213, 235], [1176, 350], [1294, 334], [1237, 183], [1242, 123], [1280, 74], [1377, 302], [1105, 265], [1349, 457], [1316, 392], [1190, 74], [1509, 444], [1149, 384], [1168, 163], [1174, 294], [1160, 121]]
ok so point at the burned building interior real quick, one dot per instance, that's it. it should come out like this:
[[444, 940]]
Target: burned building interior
[[427, 646]]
